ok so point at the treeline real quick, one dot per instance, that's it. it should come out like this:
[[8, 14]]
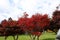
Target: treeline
[[33, 25]]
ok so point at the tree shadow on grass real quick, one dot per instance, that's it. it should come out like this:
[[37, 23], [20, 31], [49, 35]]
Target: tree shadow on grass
[[49, 39]]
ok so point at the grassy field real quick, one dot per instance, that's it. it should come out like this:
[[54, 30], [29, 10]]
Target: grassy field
[[44, 36]]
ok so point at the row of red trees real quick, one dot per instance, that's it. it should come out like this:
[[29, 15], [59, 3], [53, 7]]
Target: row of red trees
[[33, 25]]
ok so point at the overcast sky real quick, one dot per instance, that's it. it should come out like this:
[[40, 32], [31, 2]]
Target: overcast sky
[[15, 8]]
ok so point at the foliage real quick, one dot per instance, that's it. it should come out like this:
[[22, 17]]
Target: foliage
[[33, 25]]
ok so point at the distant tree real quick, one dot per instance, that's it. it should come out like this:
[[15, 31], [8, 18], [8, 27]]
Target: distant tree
[[56, 19], [12, 29], [9, 27], [39, 22]]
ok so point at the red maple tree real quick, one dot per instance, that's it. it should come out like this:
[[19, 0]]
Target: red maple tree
[[56, 20]]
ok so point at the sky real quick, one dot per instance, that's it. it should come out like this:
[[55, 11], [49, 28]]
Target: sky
[[16, 8]]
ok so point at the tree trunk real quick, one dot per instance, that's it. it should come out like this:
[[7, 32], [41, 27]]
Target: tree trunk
[[34, 36], [30, 36], [17, 37], [13, 37], [6, 37], [37, 37]]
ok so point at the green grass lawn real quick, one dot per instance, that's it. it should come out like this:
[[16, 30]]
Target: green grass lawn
[[48, 36], [44, 36]]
